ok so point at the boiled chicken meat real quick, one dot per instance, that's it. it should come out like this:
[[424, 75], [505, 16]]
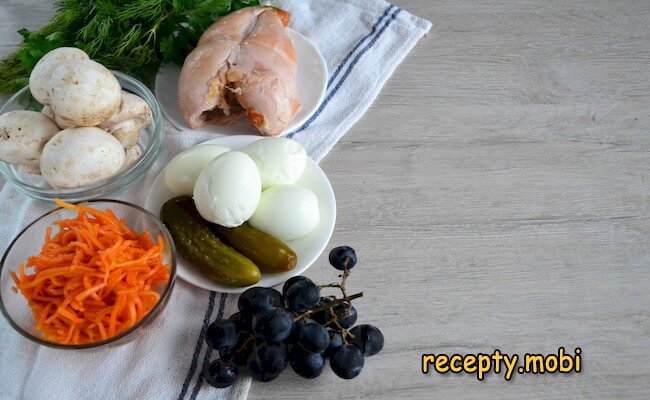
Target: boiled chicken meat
[[243, 66]]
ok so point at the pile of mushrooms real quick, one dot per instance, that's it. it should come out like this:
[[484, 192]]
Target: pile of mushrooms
[[88, 129]]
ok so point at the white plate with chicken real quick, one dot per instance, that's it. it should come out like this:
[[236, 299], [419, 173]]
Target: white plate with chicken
[[250, 74]]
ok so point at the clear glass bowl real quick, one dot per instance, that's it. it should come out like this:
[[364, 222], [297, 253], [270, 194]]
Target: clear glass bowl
[[29, 242], [151, 140]]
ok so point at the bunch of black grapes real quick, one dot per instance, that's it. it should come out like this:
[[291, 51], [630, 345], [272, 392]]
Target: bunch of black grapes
[[297, 327]]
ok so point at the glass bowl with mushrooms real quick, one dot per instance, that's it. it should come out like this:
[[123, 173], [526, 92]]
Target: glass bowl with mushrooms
[[78, 131]]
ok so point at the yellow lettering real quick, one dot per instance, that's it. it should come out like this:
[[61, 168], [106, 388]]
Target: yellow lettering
[[511, 363], [497, 357], [565, 361], [455, 364], [534, 363], [483, 366], [551, 363], [426, 360], [469, 363], [441, 363]]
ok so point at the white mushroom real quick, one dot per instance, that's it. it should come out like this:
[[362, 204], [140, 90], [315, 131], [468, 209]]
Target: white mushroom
[[28, 169], [40, 77], [81, 156], [83, 93], [134, 114], [47, 110], [127, 133], [63, 124], [132, 155], [22, 136]]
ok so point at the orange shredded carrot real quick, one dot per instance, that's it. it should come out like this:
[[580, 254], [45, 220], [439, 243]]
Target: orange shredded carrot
[[93, 279]]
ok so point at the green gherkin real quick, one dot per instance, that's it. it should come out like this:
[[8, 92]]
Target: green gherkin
[[267, 252], [200, 246]]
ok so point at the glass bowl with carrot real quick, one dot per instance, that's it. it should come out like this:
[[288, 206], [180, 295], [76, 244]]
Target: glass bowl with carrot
[[87, 275]]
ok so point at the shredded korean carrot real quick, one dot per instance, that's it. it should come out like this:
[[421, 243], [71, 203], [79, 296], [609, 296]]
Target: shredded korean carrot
[[93, 279]]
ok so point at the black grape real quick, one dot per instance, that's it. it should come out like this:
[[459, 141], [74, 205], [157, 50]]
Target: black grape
[[336, 341], [240, 352], [221, 374], [313, 337], [258, 299], [302, 296], [368, 339], [347, 361], [257, 372], [271, 358], [273, 325], [346, 315], [297, 326], [305, 363], [323, 316], [222, 334], [343, 257], [291, 281], [243, 322]]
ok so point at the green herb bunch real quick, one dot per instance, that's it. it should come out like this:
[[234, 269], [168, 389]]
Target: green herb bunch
[[133, 36]]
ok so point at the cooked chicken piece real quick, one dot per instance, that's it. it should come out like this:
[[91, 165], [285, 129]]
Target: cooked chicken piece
[[243, 65]]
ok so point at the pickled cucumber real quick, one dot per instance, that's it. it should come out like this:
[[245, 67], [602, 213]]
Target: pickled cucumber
[[200, 246], [267, 252]]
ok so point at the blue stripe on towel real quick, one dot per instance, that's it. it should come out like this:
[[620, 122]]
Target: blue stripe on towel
[[347, 73], [208, 352], [347, 58], [198, 346]]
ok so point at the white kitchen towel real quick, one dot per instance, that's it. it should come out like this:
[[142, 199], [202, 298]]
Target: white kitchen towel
[[362, 41]]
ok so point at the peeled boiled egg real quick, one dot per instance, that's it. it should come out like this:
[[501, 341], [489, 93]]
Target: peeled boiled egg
[[281, 161], [286, 212], [183, 170], [228, 189]]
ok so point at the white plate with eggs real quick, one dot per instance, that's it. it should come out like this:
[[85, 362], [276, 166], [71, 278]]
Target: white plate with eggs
[[308, 248]]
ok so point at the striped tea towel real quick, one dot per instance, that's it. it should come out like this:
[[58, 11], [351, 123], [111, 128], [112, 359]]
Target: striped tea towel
[[362, 41]]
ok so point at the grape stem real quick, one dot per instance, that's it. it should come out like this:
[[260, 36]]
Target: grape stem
[[344, 278], [327, 306], [335, 321]]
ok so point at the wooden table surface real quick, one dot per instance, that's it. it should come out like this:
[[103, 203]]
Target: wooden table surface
[[497, 195]]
